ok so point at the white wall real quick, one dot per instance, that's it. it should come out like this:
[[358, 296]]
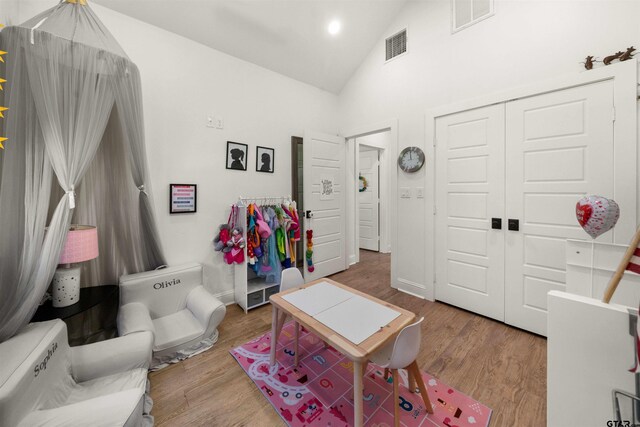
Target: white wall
[[525, 42], [182, 83], [8, 12]]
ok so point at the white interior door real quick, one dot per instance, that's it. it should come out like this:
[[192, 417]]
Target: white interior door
[[369, 200], [559, 147], [324, 197], [469, 193]]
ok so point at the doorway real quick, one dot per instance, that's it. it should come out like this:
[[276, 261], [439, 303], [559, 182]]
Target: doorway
[[382, 136], [369, 208], [297, 176], [369, 198]]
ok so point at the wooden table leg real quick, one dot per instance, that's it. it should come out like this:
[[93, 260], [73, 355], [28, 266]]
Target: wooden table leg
[[358, 415], [417, 375], [282, 317], [274, 335]]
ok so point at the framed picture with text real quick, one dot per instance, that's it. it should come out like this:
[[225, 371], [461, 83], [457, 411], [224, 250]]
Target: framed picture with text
[[265, 159], [183, 198]]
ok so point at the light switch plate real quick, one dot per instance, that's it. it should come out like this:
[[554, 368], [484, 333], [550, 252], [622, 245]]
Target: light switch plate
[[420, 192], [215, 122], [405, 192]]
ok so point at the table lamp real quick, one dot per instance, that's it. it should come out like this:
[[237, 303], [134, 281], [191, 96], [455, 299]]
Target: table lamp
[[81, 245]]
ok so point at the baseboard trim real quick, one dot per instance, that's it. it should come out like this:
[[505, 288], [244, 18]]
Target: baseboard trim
[[227, 297], [413, 288]]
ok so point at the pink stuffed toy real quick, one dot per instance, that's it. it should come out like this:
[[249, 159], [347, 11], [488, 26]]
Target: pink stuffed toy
[[237, 245], [220, 241]]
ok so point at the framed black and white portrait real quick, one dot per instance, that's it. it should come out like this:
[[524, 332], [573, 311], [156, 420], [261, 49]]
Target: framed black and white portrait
[[237, 156], [265, 159]]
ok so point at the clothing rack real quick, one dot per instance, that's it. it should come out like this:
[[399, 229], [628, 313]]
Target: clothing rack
[[250, 291], [265, 199]]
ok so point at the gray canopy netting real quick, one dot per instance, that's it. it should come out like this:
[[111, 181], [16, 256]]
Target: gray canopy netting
[[75, 111]]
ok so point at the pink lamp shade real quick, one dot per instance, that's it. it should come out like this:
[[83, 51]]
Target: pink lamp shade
[[81, 244]]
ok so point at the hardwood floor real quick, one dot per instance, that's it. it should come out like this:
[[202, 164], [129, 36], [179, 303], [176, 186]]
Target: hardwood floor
[[502, 367]]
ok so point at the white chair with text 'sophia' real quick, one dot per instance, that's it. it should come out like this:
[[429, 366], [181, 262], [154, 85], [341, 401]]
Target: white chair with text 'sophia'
[[44, 382], [291, 278], [401, 354]]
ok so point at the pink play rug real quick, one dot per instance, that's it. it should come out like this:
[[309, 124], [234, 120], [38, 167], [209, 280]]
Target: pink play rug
[[320, 391]]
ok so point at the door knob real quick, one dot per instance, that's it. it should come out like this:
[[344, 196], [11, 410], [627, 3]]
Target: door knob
[[496, 223], [514, 224], [309, 214]]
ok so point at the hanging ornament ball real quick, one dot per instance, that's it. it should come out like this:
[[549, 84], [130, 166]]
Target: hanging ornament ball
[[597, 214]]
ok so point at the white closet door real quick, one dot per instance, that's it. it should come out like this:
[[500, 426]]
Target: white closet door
[[324, 195], [469, 192], [559, 147], [369, 201]]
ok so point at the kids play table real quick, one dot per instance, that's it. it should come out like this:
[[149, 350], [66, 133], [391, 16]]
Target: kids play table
[[351, 321]]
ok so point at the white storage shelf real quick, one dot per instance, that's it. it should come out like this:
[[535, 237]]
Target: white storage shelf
[[258, 292]]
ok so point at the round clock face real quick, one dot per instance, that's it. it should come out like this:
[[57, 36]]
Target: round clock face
[[411, 159]]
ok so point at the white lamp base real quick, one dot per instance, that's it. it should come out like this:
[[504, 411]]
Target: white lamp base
[[66, 287]]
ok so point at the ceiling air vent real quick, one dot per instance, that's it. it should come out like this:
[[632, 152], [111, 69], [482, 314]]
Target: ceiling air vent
[[396, 45], [465, 13]]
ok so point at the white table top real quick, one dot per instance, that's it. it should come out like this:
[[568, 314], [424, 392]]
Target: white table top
[[354, 317], [317, 298]]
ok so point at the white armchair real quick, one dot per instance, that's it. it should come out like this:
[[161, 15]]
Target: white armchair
[[173, 305], [44, 382]]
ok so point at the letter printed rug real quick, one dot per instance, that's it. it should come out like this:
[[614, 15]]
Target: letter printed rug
[[319, 392]]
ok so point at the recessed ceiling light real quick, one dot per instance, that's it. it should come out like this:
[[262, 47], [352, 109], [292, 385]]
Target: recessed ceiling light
[[334, 27]]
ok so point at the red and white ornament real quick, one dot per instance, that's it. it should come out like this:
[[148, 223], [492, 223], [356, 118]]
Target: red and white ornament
[[597, 214]]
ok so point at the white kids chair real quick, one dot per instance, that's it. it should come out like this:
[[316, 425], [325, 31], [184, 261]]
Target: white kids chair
[[44, 382], [402, 354], [291, 277], [173, 304]]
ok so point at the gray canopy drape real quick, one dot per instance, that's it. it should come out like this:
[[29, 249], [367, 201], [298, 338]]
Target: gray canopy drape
[[75, 113]]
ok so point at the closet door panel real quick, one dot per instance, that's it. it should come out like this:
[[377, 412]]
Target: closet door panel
[[469, 192], [559, 147]]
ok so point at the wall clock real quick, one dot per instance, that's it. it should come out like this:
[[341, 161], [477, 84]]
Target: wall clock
[[411, 159]]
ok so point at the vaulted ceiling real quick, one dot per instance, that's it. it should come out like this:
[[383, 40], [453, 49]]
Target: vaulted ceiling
[[286, 36]]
